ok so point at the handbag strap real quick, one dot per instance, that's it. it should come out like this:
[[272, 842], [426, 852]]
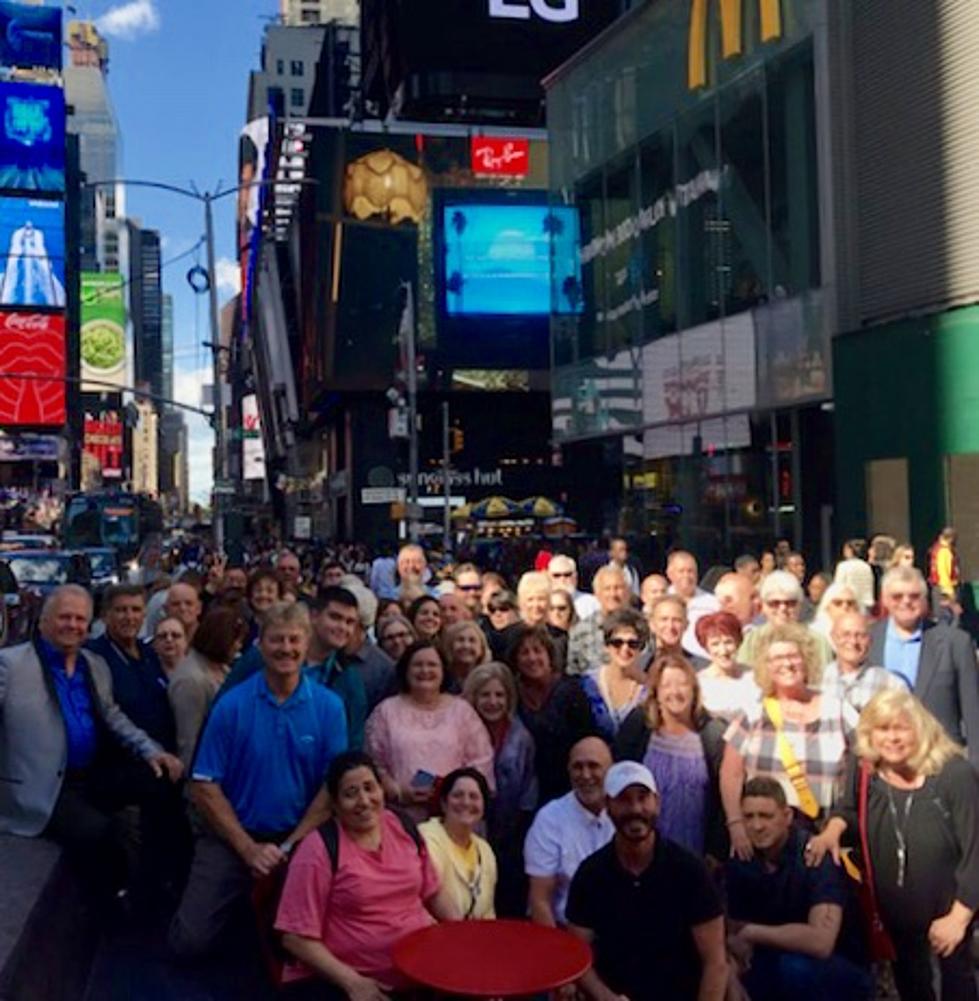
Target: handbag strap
[[796, 773], [863, 797]]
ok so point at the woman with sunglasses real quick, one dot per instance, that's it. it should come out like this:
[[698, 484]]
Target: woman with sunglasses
[[612, 689], [560, 611]]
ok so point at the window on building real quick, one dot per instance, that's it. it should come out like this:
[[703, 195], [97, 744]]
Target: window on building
[[623, 272], [658, 240], [742, 278], [701, 232], [296, 67], [794, 182], [280, 66], [297, 97]]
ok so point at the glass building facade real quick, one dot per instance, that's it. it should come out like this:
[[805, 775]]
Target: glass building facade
[[694, 372]]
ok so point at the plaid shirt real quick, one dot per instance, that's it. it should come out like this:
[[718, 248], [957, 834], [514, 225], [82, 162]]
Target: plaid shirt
[[586, 644], [819, 747], [858, 687]]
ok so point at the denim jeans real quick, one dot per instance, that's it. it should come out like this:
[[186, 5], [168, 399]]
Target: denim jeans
[[776, 975]]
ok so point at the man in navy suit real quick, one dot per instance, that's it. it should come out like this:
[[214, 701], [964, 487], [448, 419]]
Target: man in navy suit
[[936, 661]]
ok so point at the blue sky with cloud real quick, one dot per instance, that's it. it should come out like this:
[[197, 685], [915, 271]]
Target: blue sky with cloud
[[178, 75]]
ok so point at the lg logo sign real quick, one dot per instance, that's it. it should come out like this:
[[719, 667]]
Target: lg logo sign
[[558, 11]]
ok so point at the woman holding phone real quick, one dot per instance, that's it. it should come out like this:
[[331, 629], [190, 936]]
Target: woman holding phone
[[423, 733]]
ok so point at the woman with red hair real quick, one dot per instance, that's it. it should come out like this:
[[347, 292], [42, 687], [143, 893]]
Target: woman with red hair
[[726, 687]]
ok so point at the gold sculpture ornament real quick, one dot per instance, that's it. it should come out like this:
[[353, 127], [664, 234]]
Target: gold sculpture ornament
[[382, 183]]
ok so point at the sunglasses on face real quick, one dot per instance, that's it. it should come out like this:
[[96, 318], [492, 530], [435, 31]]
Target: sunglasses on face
[[620, 641], [563, 576], [782, 603], [469, 587]]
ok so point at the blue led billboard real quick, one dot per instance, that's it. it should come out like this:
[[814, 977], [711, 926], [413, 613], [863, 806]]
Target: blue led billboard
[[32, 137], [32, 252], [504, 259], [30, 36]]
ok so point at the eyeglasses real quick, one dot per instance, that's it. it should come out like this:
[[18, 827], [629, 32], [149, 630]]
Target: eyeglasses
[[620, 641], [566, 575], [402, 634], [782, 602], [502, 608], [469, 587], [560, 608], [169, 636], [904, 596]]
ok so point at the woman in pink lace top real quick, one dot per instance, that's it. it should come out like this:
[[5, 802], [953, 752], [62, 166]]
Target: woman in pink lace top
[[422, 734]]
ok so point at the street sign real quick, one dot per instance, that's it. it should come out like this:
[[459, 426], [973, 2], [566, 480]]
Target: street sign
[[382, 495], [224, 487]]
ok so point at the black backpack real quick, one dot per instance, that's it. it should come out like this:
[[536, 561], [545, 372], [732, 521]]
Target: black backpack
[[330, 833]]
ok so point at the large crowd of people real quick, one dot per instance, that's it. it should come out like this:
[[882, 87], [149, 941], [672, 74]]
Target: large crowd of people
[[755, 783]]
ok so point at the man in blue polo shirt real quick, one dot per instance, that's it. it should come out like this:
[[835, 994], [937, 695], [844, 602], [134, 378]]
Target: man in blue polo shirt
[[257, 779]]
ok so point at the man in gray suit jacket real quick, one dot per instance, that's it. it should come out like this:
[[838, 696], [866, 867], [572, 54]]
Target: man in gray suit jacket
[[61, 773], [938, 662]]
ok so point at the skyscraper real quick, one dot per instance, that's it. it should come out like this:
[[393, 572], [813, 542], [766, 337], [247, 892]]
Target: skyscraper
[[91, 117], [146, 305], [299, 13], [167, 346]]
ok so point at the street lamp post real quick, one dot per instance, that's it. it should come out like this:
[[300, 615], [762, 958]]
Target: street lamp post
[[219, 419]]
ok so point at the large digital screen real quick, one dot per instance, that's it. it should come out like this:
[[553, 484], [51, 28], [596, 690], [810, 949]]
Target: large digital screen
[[32, 252], [32, 344], [32, 137], [472, 59], [30, 36], [510, 259], [103, 331]]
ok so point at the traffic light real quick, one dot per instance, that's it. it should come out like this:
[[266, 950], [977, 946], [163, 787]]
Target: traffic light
[[457, 440]]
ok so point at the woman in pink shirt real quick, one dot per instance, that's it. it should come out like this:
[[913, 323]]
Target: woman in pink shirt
[[343, 908], [422, 734]]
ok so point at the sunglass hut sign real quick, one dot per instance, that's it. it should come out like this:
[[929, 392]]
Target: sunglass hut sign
[[557, 11]]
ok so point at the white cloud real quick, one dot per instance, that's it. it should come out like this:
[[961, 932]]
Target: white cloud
[[130, 20], [228, 275]]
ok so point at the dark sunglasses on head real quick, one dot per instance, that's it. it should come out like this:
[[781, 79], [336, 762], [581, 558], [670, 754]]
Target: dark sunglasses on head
[[619, 641]]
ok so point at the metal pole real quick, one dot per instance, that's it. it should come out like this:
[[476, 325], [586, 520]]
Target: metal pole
[[220, 413], [446, 482], [412, 418]]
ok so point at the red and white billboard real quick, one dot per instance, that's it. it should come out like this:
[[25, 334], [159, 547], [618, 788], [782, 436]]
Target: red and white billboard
[[32, 344], [492, 157], [104, 441]]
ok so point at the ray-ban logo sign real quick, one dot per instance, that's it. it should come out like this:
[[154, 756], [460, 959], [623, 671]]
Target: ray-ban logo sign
[[558, 11]]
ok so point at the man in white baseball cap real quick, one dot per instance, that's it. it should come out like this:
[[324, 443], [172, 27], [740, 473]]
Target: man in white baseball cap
[[645, 948]]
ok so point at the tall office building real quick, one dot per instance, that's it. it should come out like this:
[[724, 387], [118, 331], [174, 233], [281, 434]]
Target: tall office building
[[167, 346], [299, 13], [91, 117], [146, 305]]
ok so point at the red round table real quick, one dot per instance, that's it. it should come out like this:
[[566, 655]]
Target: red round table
[[492, 959]]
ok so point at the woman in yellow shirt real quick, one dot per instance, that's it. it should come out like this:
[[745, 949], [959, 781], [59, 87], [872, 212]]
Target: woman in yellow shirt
[[464, 861]]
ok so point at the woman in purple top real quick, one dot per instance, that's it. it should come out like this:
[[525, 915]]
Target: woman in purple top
[[682, 746], [491, 691]]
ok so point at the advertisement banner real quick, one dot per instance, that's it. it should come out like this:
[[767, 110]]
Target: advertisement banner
[[103, 333], [32, 344], [706, 371], [32, 245], [30, 36], [29, 448], [104, 442], [492, 157], [252, 447], [32, 137]]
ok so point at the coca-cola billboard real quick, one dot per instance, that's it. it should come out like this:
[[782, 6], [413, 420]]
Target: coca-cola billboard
[[32, 345]]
